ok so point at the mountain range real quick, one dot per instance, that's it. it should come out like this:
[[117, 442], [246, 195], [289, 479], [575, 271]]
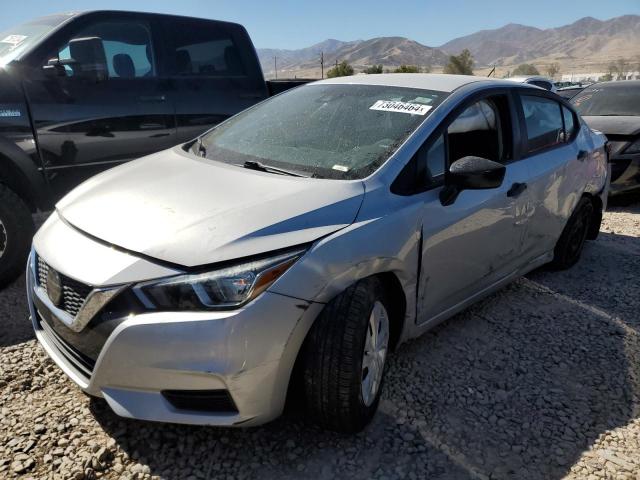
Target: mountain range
[[586, 43]]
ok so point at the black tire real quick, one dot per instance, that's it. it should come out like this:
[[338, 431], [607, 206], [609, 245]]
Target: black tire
[[16, 232], [333, 359], [571, 242]]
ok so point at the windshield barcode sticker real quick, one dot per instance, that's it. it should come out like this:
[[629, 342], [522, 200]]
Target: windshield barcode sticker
[[14, 39], [402, 107]]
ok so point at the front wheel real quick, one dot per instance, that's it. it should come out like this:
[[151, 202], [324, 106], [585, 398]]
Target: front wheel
[[16, 231], [345, 356], [571, 242]]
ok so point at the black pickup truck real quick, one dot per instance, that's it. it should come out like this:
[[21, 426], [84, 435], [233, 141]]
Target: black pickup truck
[[82, 92]]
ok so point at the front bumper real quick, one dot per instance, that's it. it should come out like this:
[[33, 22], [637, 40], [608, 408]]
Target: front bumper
[[248, 353], [625, 173]]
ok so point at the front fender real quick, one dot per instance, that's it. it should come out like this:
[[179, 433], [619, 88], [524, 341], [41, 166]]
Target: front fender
[[385, 242], [19, 171]]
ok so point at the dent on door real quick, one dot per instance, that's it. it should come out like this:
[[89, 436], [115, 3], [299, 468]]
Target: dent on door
[[466, 247]]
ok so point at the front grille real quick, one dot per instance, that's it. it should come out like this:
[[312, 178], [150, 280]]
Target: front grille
[[74, 293], [82, 364]]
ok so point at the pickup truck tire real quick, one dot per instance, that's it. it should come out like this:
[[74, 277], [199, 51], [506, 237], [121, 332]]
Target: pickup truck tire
[[343, 364], [571, 242], [16, 232]]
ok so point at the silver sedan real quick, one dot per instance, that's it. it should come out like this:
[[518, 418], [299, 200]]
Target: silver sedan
[[302, 240]]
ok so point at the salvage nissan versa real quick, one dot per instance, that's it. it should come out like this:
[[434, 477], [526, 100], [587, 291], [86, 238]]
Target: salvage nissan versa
[[319, 229]]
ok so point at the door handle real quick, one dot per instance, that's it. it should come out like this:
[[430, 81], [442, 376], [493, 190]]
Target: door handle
[[152, 98], [582, 155], [516, 189], [152, 126]]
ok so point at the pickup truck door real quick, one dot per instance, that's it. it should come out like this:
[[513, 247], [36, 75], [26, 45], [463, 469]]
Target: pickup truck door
[[213, 73], [105, 106]]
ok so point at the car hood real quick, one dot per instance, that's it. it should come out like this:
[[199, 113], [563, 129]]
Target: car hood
[[614, 125], [191, 211]]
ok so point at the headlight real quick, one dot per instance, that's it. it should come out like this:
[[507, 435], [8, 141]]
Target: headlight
[[221, 289], [634, 147]]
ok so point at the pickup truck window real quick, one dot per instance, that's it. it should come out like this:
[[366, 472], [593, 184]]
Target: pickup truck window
[[203, 50], [325, 131], [127, 49], [19, 39]]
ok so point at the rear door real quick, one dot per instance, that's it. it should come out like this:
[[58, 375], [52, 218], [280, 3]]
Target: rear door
[[476, 241], [213, 72], [106, 105], [552, 154]]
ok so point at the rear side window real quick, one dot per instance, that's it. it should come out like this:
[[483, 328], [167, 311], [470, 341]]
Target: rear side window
[[543, 119], [204, 49], [126, 49]]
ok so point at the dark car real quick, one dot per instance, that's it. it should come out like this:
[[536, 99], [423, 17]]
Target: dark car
[[569, 92], [613, 108], [82, 92]]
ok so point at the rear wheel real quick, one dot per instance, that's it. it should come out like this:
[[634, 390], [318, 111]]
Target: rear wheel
[[16, 231], [570, 244], [345, 356]]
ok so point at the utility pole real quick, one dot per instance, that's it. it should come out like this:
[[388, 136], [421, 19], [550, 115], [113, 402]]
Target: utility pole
[[275, 66], [321, 65]]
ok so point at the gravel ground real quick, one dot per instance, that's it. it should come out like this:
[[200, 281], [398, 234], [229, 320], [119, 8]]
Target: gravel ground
[[541, 380]]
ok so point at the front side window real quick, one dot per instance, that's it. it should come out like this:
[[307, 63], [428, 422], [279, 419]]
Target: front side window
[[123, 48], [204, 50], [477, 132], [327, 131], [543, 119]]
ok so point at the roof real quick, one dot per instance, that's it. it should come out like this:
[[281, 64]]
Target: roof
[[524, 78], [427, 81]]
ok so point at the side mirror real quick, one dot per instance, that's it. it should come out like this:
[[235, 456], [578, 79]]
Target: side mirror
[[56, 66], [471, 173], [88, 60]]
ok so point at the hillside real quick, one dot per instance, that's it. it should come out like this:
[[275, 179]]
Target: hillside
[[389, 51], [587, 39], [587, 43]]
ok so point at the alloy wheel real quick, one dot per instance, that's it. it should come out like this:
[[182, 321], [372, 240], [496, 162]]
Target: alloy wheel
[[375, 352], [578, 233]]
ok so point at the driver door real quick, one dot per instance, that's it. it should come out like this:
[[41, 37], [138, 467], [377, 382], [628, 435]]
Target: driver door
[[474, 242], [103, 104]]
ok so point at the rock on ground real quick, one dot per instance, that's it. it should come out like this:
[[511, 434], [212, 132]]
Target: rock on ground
[[541, 380]]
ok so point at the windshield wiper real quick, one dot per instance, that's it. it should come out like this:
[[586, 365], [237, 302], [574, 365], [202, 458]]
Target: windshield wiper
[[261, 167]]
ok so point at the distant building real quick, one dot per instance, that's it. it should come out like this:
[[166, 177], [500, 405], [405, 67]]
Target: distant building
[[595, 76]]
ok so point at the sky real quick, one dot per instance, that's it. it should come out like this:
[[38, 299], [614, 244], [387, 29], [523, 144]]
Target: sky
[[296, 24]]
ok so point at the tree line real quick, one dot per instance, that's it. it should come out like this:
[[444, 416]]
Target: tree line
[[462, 64]]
